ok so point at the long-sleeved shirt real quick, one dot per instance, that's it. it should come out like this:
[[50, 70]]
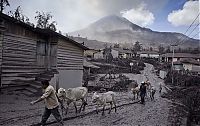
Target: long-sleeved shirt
[[142, 89], [51, 101]]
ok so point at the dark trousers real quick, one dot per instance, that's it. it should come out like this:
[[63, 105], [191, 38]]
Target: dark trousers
[[48, 112], [142, 95]]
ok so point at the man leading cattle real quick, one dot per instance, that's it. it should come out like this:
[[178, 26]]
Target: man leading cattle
[[51, 103], [142, 92]]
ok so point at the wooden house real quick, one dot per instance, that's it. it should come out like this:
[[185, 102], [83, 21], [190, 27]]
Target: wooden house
[[148, 54], [168, 57], [29, 55]]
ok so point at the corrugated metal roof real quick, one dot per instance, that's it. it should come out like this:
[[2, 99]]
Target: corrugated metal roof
[[190, 61], [181, 55], [122, 50], [195, 68], [90, 65], [147, 52], [39, 30]]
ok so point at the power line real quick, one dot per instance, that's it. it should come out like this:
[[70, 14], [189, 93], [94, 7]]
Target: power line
[[181, 42], [194, 29], [196, 34], [192, 24], [188, 28]]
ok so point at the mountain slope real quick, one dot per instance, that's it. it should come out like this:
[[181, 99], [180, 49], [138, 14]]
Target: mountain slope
[[116, 29]]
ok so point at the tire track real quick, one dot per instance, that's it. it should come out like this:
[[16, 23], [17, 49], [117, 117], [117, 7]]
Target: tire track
[[87, 114]]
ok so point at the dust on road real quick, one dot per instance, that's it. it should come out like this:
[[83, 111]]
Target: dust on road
[[16, 110]]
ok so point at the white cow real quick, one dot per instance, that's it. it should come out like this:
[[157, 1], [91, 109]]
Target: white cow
[[135, 92], [102, 98], [72, 95], [152, 92]]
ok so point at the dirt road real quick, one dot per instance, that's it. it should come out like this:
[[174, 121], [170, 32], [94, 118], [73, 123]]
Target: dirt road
[[16, 109], [153, 113]]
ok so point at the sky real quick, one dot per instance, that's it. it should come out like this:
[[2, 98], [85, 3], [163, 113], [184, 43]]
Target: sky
[[158, 15]]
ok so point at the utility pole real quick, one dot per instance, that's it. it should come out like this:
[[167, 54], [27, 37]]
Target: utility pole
[[173, 45]]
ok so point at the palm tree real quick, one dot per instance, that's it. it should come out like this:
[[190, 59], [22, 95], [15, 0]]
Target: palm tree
[[3, 4]]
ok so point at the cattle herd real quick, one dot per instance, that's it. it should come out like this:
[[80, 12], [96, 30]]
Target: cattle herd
[[72, 95]]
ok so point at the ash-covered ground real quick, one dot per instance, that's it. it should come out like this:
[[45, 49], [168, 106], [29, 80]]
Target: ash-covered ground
[[16, 109]]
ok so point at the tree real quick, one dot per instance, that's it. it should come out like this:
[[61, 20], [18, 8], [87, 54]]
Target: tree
[[17, 14], [107, 54], [168, 49], [161, 49], [60, 32], [150, 49], [116, 45], [179, 50], [3, 4], [137, 46], [43, 21]]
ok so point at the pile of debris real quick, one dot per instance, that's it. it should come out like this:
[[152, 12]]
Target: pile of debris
[[187, 104], [119, 83]]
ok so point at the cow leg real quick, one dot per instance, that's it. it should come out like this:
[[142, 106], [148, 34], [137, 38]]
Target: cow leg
[[80, 108], [84, 104], [103, 110], [115, 106], [75, 106], [110, 107], [97, 109], [66, 110]]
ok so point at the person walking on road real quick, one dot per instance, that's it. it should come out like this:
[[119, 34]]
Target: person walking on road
[[51, 103], [160, 87], [142, 92]]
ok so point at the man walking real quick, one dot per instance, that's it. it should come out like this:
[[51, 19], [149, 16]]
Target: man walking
[[160, 87], [142, 92], [51, 103]]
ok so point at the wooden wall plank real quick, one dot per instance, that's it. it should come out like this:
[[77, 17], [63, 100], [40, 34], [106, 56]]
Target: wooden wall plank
[[19, 57], [69, 56]]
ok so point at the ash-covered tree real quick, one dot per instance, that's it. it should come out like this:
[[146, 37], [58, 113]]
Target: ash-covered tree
[[3, 3], [116, 45], [44, 21], [161, 49], [18, 14], [168, 49], [107, 54], [137, 46], [150, 49]]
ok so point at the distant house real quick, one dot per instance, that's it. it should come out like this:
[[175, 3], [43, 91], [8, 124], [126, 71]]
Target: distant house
[[88, 66], [187, 64], [115, 53], [178, 56], [90, 53], [124, 53], [29, 54], [148, 54], [191, 65], [178, 65], [99, 54]]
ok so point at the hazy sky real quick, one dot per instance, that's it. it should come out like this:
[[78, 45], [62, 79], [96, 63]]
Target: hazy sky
[[158, 15]]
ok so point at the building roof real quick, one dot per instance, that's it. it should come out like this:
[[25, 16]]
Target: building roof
[[89, 65], [39, 30], [190, 61], [181, 55], [120, 50], [177, 62], [147, 52], [50, 32], [195, 68]]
